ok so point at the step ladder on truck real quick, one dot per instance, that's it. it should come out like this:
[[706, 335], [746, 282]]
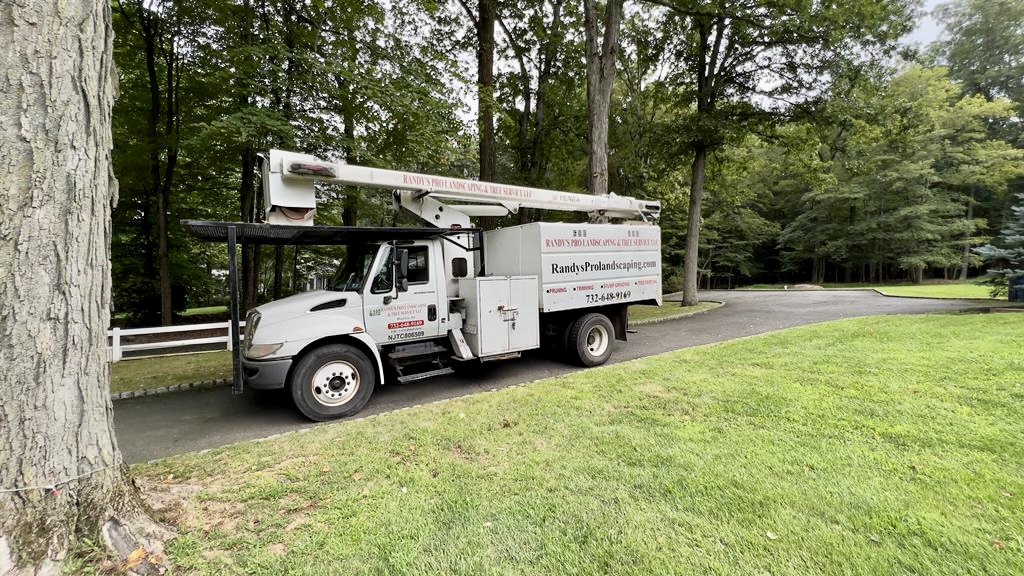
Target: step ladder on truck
[[411, 303]]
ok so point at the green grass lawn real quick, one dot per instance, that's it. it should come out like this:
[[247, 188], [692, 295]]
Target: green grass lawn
[[939, 291], [148, 373], [885, 445], [667, 310], [932, 290], [205, 310]]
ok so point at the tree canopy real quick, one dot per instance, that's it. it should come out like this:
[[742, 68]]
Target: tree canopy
[[826, 149]]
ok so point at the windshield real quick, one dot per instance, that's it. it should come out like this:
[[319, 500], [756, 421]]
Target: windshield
[[355, 265]]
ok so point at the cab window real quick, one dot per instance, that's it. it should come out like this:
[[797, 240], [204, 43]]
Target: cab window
[[419, 265], [384, 277]]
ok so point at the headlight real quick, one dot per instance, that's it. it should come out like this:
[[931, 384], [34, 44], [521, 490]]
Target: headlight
[[252, 320], [262, 350]]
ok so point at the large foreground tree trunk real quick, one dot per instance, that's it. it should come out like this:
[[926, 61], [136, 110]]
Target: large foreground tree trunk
[[600, 77], [61, 473], [690, 264]]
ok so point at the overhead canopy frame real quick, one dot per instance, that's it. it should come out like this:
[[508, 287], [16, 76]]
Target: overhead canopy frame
[[279, 235], [282, 235]]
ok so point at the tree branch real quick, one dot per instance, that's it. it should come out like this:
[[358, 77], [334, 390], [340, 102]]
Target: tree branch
[[471, 14]]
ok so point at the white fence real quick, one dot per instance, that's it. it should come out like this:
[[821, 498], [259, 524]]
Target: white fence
[[118, 349]]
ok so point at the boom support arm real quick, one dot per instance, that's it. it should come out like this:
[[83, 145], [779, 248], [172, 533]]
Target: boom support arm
[[288, 179]]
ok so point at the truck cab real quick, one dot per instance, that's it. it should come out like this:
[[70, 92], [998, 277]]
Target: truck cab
[[386, 315]]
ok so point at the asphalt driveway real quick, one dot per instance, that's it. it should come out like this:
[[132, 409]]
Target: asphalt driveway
[[158, 426]]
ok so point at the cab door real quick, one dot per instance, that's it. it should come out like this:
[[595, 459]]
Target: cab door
[[393, 316]]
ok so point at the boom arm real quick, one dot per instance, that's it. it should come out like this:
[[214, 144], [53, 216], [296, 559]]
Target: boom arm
[[288, 180]]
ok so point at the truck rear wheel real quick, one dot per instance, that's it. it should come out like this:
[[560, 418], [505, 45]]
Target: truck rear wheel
[[332, 381], [590, 339]]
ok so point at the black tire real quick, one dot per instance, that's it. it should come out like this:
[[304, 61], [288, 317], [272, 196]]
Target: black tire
[[332, 381], [589, 339]]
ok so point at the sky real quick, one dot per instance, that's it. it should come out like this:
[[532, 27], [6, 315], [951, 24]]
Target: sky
[[927, 29]]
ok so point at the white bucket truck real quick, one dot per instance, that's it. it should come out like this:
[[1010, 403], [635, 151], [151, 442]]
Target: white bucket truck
[[411, 303]]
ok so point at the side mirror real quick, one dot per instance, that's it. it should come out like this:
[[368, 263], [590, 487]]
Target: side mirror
[[402, 270]]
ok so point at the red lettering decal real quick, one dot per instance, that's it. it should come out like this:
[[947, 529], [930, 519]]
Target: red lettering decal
[[406, 324]]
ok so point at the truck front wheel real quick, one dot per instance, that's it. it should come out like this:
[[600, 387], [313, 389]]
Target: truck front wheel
[[332, 381], [590, 339]]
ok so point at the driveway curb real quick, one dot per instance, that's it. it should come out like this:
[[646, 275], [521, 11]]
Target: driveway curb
[[993, 300], [678, 316], [863, 289], [197, 385]]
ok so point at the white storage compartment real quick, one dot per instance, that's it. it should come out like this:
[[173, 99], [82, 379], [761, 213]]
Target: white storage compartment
[[502, 314], [580, 265]]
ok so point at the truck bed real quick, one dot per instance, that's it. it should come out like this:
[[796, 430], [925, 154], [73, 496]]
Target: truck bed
[[580, 265]]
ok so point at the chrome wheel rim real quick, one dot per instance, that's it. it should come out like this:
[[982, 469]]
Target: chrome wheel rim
[[597, 341], [335, 383]]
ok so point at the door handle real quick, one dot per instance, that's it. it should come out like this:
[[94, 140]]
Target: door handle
[[431, 312]]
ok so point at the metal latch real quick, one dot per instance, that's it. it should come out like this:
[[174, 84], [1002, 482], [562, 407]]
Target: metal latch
[[508, 314]]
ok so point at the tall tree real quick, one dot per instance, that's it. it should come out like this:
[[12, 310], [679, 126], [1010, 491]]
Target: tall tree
[[893, 189], [484, 19], [748, 62], [984, 46], [602, 42], [62, 471], [153, 30], [538, 36]]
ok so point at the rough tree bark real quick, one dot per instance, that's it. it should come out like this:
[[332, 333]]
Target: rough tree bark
[[56, 190], [600, 77]]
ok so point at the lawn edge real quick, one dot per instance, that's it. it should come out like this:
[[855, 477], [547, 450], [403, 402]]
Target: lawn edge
[[680, 315], [935, 297], [859, 289], [875, 290]]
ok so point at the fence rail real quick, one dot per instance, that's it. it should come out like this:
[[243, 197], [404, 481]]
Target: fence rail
[[118, 349]]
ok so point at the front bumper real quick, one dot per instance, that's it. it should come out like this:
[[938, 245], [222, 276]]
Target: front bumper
[[266, 374]]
